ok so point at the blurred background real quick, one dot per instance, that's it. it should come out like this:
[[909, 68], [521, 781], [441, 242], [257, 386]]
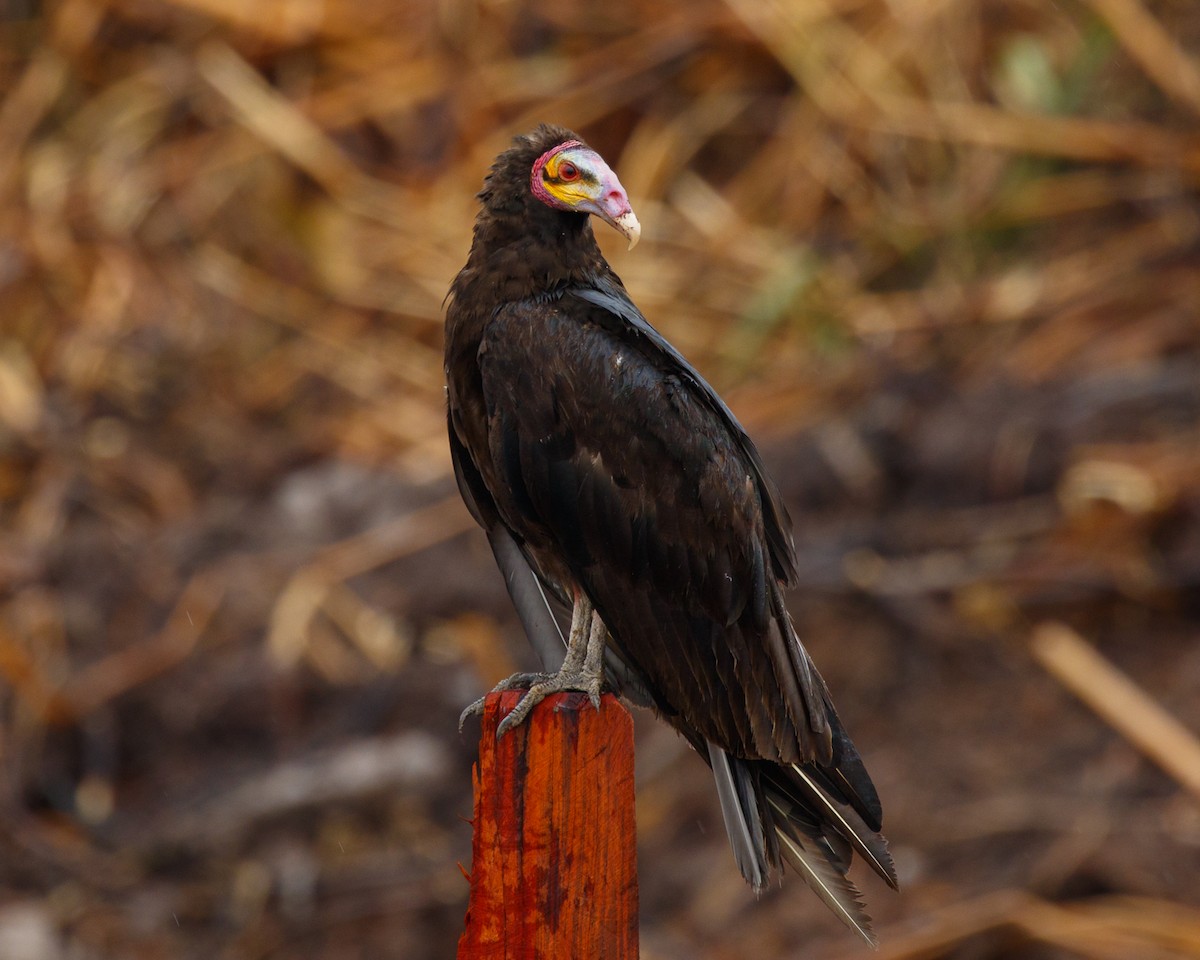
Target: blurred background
[[941, 256]]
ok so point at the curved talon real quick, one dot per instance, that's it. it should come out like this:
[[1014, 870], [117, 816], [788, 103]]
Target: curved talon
[[582, 671], [516, 716], [518, 681], [561, 682], [473, 710]]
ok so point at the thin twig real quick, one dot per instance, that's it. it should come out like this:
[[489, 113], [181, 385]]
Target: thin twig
[[1119, 702]]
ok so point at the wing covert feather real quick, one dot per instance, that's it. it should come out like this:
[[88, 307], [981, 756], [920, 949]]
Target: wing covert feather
[[658, 512]]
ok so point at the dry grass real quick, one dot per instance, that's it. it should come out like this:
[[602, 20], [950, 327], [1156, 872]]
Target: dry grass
[[942, 257]]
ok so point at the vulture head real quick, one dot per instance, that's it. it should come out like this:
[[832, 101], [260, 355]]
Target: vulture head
[[552, 168]]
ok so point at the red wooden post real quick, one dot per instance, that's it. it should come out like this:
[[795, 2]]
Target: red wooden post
[[554, 864]]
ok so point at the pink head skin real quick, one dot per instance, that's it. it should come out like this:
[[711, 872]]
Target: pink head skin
[[574, 177]]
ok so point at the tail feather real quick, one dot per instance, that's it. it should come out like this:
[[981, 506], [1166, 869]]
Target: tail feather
[[846, 821], [743, 821], [778, 814], [829, 883]]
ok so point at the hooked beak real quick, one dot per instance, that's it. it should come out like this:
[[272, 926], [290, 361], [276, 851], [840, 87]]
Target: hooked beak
[[627, 225], [614, 209]]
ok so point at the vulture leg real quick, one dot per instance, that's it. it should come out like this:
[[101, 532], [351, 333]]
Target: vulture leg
[[583, 668]]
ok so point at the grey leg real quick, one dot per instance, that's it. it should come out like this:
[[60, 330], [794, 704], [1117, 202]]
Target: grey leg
[[583, 668]]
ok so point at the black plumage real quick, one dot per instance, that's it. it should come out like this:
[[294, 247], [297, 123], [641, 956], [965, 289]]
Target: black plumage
[[593, 453]]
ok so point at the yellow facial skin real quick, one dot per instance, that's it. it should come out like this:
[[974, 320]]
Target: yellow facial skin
[[569, 179]]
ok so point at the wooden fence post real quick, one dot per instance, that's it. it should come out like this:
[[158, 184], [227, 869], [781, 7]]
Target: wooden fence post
[[554, 864]]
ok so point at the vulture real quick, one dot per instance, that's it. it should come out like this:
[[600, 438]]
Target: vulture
[[611, 480]]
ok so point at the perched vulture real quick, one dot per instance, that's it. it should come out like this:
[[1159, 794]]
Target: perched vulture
[[596, 457]]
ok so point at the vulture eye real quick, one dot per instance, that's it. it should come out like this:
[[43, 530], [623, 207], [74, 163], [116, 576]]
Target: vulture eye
[[567, 171]]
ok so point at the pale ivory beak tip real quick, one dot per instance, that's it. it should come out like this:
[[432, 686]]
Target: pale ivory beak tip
[[628, 224]]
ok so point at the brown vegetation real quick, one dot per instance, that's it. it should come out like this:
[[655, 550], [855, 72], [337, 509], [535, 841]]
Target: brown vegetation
[[943, 258]]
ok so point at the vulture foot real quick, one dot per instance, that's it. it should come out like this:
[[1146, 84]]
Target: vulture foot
[[582, 670]]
